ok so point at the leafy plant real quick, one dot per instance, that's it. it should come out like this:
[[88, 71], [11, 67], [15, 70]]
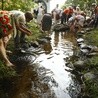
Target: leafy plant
[[6, 72]]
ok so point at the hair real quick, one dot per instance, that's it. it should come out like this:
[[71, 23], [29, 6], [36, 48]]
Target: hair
[[29, 15]]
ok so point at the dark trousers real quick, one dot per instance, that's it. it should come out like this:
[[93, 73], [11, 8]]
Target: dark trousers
[[96, 21], [19, 38], [64, 18]]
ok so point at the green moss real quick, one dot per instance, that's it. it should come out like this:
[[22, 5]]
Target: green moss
[[5, 71], [93, 62], [91, 89], [91, 86], [92, 37]]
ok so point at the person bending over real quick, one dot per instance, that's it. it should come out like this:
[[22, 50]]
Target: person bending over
[[19, 24], [5, 31]]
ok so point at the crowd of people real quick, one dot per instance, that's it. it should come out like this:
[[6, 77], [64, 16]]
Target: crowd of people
[[75, 17], [14, 23]]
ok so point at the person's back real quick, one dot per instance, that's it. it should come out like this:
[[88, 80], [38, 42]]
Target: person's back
[[19, 16], [46, 22], [80, 19], [19, 24]]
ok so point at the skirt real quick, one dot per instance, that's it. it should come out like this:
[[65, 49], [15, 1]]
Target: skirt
[[5, 23]]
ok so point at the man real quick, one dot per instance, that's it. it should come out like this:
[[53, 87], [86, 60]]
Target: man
[[19, 25], [66, 14], [46, 22]]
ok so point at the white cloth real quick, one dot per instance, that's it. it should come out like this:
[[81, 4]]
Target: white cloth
[[80, 19], [18, 17], [40, 15]]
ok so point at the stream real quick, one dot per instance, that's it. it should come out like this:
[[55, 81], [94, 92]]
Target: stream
[[47, 77], [54, 59]]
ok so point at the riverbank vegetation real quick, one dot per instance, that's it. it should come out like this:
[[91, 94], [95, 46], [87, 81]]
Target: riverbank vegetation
[[91, 72]]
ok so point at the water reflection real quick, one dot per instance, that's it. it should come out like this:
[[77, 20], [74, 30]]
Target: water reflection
[[46, 77], [61, 47]]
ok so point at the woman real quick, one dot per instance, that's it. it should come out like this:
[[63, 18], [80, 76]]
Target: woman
[[5, 31]]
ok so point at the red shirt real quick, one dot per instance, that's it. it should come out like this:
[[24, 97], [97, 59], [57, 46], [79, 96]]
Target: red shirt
[[68, 11]]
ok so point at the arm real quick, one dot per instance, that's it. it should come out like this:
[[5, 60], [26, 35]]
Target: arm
[[23, 29], [20, 25]]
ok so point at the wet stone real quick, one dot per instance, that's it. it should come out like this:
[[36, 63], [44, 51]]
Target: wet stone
[[89, 76], [27, 59], [79, 64], [80, 40], [85, 51]]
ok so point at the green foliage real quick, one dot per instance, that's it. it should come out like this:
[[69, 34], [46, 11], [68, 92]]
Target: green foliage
[[6, 72], [91, 88], [36, 33], [93, 62], [23, 5], [92, 38], [81, 3]]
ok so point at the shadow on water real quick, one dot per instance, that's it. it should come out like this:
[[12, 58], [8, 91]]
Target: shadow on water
[[46, 77]]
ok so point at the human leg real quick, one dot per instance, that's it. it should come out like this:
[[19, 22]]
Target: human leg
[[3, 54], [17, 40], [6, 40], [22, 38]]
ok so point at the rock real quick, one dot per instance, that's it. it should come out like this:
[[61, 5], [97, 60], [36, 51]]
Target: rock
[[60, 27], [85, 51], [70, 65], [81, 43], [89, 76], [42, 41], [92, 54], [83, 46], [79, 64], [82, 32], [89, 29], [80, 40], [35, 44], [93, 48]]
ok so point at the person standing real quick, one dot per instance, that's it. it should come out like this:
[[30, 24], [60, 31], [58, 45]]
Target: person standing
[[66, 14], [40, 14], [56, 14], [46, 23]]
